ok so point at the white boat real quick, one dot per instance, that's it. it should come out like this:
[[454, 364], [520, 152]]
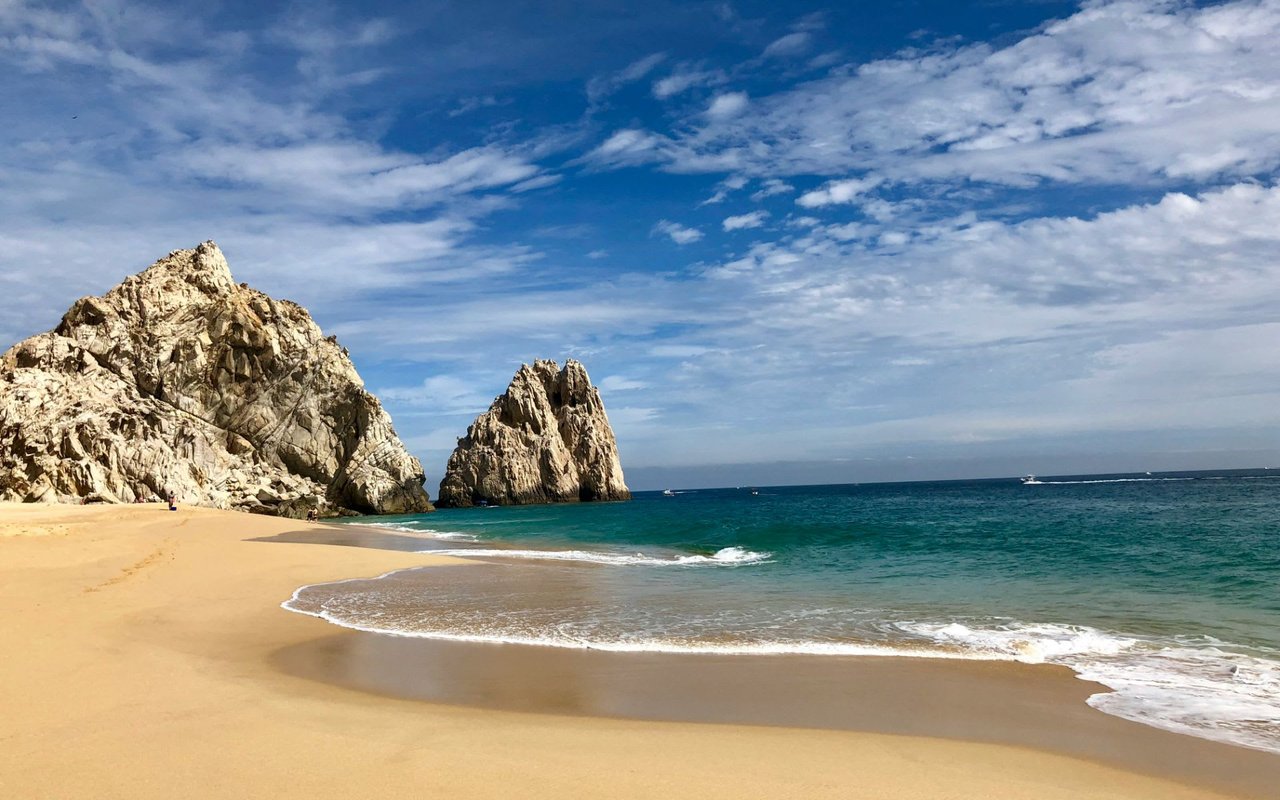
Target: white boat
[[668, 493], [1031, 480]]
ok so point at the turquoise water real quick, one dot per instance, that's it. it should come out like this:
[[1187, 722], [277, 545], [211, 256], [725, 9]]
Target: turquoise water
[[1162, 587]]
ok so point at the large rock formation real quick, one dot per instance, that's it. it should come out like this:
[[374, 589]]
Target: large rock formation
[[180, 380], [546, 440]]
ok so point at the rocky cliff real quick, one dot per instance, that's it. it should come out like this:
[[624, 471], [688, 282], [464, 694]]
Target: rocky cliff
[[180, 380], [545, 440]]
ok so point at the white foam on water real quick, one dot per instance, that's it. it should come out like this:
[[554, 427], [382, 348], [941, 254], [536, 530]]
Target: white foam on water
[[725, 557], [637, 645], [1104, 480], [1198, 686], [1204, 688], [421, 533], [1032, 644]]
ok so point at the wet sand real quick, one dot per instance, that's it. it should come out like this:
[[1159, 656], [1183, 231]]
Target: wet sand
[[1038, 706], [145, 655]]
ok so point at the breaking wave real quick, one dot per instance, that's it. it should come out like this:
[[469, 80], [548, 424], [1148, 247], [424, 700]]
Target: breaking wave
[[725, 557], [1199, 686]]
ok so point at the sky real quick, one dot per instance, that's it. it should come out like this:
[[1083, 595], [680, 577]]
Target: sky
[[791, 242]]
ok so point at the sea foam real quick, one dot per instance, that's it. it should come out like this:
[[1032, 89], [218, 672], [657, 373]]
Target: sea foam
[[1200, 687], [421, 533], [724, 557]]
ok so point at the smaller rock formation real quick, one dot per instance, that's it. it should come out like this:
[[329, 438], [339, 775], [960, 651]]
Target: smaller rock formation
[[545, 440]]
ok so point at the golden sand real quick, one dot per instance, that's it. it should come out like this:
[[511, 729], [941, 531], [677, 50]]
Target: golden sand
[[139, 658]]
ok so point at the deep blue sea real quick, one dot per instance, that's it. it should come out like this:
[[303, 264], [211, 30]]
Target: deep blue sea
[[1165, 587]]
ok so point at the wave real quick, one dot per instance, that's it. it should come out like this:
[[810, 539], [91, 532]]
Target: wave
[[725, 557], [1197, 686], [1201, 687], [635, 645], [421, 533], [1104, 480]]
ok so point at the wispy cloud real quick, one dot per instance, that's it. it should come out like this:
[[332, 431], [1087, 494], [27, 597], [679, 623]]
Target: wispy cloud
[[792, 44], [743, 221], [770, 187], [468, 104], [602, 86], [621, 383], [678, 233], [835, 192], [684, 77], [1107, 95], [728, 105], [443, 394]]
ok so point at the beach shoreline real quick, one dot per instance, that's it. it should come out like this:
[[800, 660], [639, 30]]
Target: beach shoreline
[[154, 660]]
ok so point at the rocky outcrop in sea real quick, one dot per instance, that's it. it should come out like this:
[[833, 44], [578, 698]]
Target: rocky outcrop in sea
[[545, 440], [179, 380]]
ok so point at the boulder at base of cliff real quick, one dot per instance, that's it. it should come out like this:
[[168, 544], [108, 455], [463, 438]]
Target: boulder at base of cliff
[[178, 380], [545, 440]]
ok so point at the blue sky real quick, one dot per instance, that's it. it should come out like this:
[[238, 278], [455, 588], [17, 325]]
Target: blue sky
[[791, 242]]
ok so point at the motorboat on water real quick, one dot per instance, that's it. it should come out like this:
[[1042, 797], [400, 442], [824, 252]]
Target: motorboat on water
[[1031, 480], [668, 493]]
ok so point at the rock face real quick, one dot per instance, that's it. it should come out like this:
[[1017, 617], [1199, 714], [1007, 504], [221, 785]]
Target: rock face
[[180, 380], [546, 440]]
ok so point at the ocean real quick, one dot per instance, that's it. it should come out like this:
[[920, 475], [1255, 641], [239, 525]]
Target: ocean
[[1164, 588]]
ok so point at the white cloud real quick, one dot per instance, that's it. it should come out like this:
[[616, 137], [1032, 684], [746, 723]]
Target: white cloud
[[728, 105], [627, 146], [627, 417], [537, 182], [354, 175], [677, 232], [730, 184], [1125, 91], [770, 187], [468, 104], [684, 78], [621, 383], [752, 220], [600, 87], [443, 394], [792, 44], [845, 191]]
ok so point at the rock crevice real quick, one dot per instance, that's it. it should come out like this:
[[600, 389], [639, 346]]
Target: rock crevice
[[181, 380], [545, 440]]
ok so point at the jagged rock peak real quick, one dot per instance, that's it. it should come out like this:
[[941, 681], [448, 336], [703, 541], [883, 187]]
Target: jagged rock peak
[[178, 380], [545, 440]]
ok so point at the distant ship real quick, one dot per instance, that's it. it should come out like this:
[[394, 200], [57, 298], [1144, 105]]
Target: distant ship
[[1031, 480], [755, 490], [668, 493]]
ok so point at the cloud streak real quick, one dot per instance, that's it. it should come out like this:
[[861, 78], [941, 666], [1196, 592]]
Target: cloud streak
[[1120, 91]]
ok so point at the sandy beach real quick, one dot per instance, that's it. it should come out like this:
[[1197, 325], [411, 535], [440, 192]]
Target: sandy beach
[[146, 655]]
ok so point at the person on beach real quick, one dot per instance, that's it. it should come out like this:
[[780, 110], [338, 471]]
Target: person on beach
[[311, 515], [173, 502]]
